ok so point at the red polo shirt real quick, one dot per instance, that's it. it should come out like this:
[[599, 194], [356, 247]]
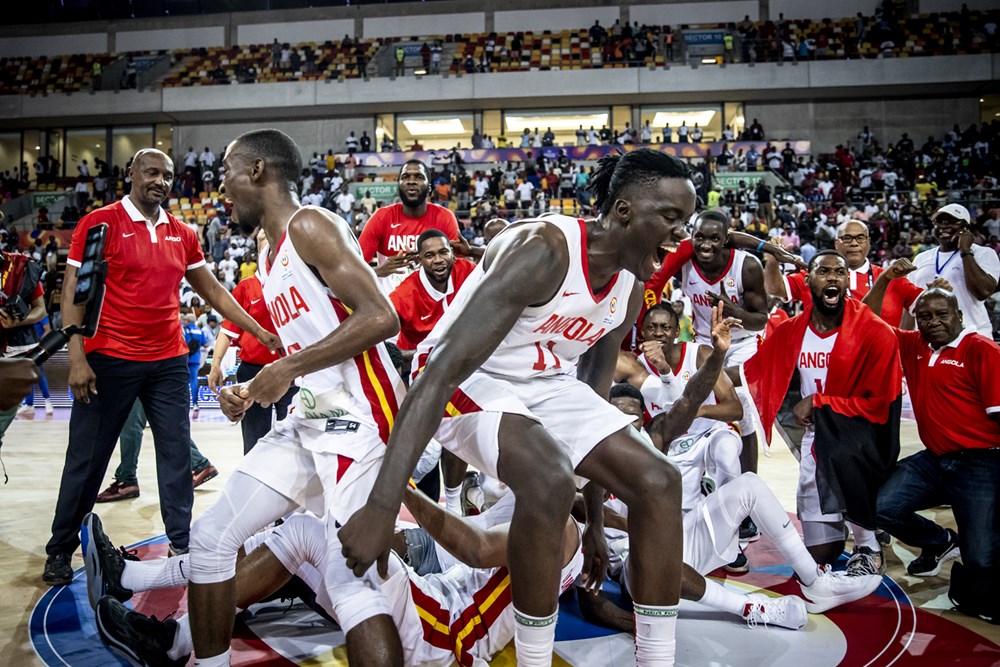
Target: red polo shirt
[[146, 262], [420, 306], [249, 293], [955, 390], [898, 297], [389, 230]]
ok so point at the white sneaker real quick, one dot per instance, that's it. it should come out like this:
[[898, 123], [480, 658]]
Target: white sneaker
[[26, 410], [787, 611], [48, 406], [832, 589]]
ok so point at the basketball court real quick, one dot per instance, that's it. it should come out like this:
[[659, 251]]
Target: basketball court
[[908, 621]]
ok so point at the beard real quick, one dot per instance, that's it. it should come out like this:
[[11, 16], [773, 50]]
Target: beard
[[416, 201], [828, 311]]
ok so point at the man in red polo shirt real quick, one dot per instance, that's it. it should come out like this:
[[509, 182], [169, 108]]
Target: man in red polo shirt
[[137, 352], [422, 298], [952, 374], [257, 420], [390, 236]]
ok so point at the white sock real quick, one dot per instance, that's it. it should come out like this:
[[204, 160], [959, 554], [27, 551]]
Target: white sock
[[655, 641], [795, 552], [151, 575], [453, 499], [534, 638], [864, 537], [183, 644], [721, 598], [221, 660]]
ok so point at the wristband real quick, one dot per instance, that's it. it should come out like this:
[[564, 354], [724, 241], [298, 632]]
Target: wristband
[[760, 245], [966, 253]]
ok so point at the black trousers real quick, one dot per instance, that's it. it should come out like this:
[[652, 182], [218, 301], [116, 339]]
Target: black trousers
[[257, 420], [162, 387]]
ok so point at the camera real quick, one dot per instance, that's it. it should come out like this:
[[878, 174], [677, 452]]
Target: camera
[[16, 308]]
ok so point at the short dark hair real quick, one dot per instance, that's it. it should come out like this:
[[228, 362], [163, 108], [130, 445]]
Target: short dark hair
[[940, 293], [625, 390], [419, 163], [617, 172], [824, 253], [660, 308], [277, 149], [430, 234], [395, 355], [715, 215]]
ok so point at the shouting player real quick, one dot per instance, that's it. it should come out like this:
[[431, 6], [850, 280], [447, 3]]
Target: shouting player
[[520, 368]]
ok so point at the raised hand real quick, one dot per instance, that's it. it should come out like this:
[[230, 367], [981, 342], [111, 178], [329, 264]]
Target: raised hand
[[722, 328], [900, 268]]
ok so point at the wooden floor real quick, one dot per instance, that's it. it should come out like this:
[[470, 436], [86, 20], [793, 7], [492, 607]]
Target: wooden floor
[[33, 452]]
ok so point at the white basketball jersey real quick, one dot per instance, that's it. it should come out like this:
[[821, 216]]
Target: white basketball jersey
[[464, 615], [549, 339], [814, 360], [682, 374], [366, 388], [729, 285]]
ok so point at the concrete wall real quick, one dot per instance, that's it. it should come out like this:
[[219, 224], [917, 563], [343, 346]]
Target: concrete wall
[[821, 9], [695, 12], [54, 45], [833, 122], [427, 24], [179, 38], [295, 31], [928, 6], [537, 20], [840, 81]]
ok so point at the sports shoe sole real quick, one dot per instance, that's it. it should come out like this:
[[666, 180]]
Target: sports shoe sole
[[91, 562], [819, 604], [951, 554]]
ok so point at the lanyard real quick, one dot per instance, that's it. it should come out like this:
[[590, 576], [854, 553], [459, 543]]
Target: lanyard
[[937, 257]]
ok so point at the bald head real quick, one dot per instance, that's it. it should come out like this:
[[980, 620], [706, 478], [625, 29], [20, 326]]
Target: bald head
[[144, 153], [492, 228], [853, 243]]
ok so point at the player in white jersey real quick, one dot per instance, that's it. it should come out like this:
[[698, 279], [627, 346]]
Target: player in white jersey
[[519, 367], [460, 615], [331, 318], [664, 368], [735, 278]]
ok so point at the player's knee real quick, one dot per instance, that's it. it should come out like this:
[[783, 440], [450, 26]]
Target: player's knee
[[213, 550], [658, 482], [300, 539]]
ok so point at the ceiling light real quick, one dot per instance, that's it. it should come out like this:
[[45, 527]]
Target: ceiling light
[[97, 146], [38, 148], [709, 61], [519, 123], [674, 118], [434, 126], [159, 143], [981, 100]]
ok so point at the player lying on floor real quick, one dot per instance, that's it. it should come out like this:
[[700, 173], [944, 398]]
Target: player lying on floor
[[470, 602]]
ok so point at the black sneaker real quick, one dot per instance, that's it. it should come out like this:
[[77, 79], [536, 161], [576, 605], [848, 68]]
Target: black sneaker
[[739, 566], [102, 562], [930, 560], [884, 538], [57, 570], [865, 561], [141, 640], [748, 531]]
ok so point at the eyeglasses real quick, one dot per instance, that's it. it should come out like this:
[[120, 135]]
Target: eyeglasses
[[857, 238]]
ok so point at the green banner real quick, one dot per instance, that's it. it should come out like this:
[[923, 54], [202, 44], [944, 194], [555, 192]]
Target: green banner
[[383, 192], [46, 199], [731, 180]]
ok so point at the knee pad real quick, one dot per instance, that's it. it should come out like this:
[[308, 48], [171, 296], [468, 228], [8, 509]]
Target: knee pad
[[246, 506], [300, 539]]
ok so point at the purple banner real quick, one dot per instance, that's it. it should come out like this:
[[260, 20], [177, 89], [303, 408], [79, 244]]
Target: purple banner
[[575, 153]]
